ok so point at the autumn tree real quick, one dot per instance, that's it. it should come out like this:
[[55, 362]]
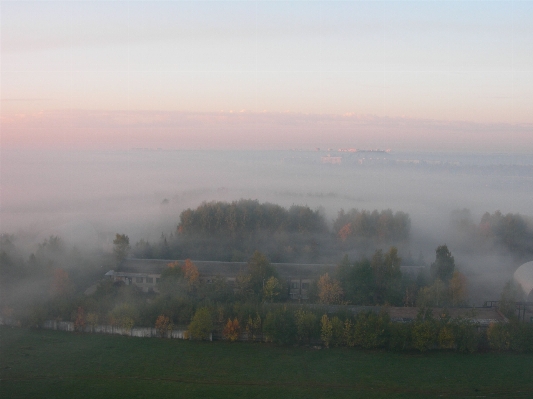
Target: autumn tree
[[271, 289], [162, 325], [232, 330], [326, 330], [124, 316], [306, 325], [253, 327], [191, 274], [79, 323], [329, 290]]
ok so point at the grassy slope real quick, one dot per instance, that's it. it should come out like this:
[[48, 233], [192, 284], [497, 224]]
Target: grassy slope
[[58, 364]]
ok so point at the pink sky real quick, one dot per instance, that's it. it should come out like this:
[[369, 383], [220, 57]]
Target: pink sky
[[247, 130], [412, 74]]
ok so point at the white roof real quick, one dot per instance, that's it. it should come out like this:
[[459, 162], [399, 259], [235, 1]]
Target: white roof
[[524, 277]]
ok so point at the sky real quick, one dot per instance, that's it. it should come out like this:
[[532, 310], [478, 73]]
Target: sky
[[406, 75]]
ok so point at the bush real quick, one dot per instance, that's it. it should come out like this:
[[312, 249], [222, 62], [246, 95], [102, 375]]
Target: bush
[[326, 330], [307, 326], [232, 330], [280, 326], [371, 330], [162, 325], [499, 337], [399, 336], [201, 325], [123, 316], [467, 338], [521, 335]]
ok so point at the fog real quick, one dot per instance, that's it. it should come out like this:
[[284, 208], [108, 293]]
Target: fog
[[86, 197]]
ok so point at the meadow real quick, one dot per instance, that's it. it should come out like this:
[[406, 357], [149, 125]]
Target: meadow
[[53, 364]]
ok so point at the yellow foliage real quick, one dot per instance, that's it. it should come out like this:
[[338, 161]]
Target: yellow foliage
[[232, 330], [329, 290], [446, 337]]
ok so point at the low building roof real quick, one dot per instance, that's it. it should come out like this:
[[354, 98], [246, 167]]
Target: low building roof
[[224, 269]]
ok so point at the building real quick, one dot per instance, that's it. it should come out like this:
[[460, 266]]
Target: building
[[146, 274]]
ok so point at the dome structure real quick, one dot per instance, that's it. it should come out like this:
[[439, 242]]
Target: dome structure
[[524, 277]]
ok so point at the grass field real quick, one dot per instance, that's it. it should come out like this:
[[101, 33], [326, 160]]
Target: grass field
[[53, 364]]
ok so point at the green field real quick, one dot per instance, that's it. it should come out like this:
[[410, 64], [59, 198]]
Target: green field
[[52, 364]]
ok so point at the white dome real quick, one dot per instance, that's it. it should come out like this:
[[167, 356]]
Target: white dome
[[524, 277]]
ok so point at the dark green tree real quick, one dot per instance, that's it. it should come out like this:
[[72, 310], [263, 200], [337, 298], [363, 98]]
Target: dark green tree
[[260, 270], [444, 264]]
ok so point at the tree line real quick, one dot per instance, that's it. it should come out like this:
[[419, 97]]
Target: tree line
[[233, 231], [512, 232], [257, 307]]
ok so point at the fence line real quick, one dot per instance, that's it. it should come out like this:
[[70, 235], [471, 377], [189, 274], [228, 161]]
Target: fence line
[[140, 332]]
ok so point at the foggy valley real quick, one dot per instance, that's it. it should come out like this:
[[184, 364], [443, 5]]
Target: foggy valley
[[87, 197], [337, 193]]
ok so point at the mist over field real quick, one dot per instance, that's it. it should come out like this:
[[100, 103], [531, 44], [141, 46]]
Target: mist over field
[[86, 197]]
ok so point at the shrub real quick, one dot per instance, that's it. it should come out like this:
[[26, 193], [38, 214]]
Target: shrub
[[253, 327], [280, 326], [521, 336], [424, 335], [399, 336], [201, 325], [306, 325], [123, 316], [348, 333], [162, 325], [467, 338], [371, 330], [499, 337], [337, 330], [446, 337], [79, 323], [232, 330], [326, 331]]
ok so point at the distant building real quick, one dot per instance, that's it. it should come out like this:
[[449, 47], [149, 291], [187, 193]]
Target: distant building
[[332, 160], [146, 273]]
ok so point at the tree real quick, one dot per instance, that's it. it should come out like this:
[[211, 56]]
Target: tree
[[162, 325], [121, 247], [306, 325], [253, 327], [280, 326], [259, 271], [191, 274], [232, 330], [201, 325], [79, 324], [425, 330], [458, 292], [326, 330], [124, 316], [387, 274], [329, 290], [444, 264], [271, 289]]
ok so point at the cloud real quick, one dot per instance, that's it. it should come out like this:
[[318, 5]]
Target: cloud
[[256, 130]]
